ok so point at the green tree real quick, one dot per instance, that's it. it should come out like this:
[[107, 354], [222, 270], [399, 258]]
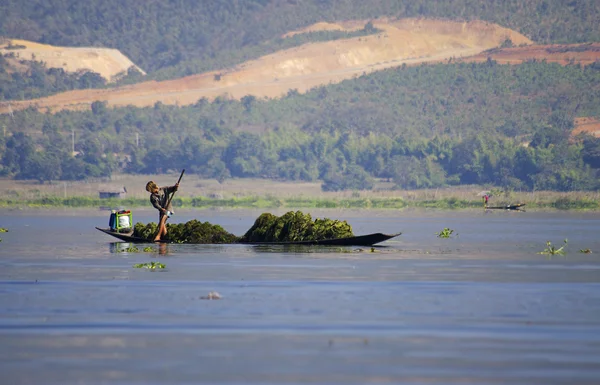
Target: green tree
[[243, 155], [43, 167], [353, 178], [19, 148], [591, 151], [99, 108], [410, 172]]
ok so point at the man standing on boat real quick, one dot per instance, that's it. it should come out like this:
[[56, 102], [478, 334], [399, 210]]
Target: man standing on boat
[[159, 197]]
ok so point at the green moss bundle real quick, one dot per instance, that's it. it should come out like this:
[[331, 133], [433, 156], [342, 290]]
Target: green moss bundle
[[290, 227], [295, 227], [195, 231], [146, 231], [192, 231]]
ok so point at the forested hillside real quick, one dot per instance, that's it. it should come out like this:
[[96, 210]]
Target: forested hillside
[[177, 38], [397, 42], [22, 79], [423, 126], [39, 80]]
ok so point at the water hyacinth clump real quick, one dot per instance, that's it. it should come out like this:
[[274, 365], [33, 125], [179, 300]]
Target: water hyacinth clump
[[295, 227], [553, 250], [150, 265], [445, 233], [146, 231], [192, 231], [195, 231], [290, 227]]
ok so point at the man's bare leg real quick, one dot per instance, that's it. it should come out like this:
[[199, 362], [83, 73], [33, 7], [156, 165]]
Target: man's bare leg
[[162, 228]]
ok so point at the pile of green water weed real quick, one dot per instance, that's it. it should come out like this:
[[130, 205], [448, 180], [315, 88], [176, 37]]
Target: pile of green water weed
[[150, 265], [145, 231], [295, 227], [192, 231], [445, 233], [553, 250], [290, 227]]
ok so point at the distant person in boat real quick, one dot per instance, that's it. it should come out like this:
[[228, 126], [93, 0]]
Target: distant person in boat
[[159, 197]]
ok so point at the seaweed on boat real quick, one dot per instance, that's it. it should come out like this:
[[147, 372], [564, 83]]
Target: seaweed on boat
[[192, 231], [290, 227], [294, 227]]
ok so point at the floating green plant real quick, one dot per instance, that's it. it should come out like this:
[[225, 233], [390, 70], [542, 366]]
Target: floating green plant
[[150, 265], [3, 230], [585, 251], [148, 249], [552, 250], [129, 249], [192, 231], [445, 233], [295, 226]]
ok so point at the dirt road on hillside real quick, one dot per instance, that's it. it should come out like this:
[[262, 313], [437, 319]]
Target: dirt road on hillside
[[105, 61], [405, 41]]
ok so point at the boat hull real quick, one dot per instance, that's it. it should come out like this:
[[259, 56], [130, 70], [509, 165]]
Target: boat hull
[[361, 240], [516, 207]]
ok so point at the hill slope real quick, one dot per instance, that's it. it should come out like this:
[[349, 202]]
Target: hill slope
[[172, 37], [564, 54], [588, 125], [104, 61], [405, 41]]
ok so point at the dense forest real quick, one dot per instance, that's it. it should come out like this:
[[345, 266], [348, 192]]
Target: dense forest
[[39, 80], [423, 126], [174, 38]]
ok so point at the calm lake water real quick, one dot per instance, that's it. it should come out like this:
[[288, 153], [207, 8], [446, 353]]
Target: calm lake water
[[479, 308]]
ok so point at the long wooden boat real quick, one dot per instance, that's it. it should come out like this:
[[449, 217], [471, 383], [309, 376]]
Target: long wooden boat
[[516, 207], [127, 237], [361, 240]]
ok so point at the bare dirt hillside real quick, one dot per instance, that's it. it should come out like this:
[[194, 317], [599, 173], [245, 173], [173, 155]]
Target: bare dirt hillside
[[588, 125], [564, 54], [105, 61], [405, 41], [347, 26]]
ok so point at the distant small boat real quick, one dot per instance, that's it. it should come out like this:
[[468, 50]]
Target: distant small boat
[[516, 207], [361, 240]]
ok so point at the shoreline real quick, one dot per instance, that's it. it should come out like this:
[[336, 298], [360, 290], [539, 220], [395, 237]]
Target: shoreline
[[302, 203], [198, 193]]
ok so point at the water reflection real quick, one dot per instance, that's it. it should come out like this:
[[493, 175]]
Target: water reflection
[[483, 308], [162, 249], [127, 247], [305, 249]]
